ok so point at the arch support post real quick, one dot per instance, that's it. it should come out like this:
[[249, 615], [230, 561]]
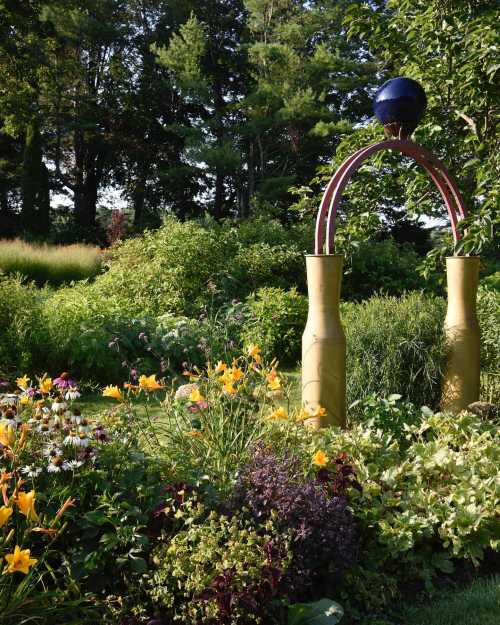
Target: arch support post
[[323, 343], [462, 375]]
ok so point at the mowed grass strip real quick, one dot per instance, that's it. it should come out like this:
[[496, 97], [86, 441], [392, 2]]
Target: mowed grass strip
[[479, 604], [52, 264]]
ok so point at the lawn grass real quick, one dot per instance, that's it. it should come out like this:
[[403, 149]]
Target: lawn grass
[[52, 264], [478, 604]]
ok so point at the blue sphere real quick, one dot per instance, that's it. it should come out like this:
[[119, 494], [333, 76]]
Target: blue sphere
[[399, 105]]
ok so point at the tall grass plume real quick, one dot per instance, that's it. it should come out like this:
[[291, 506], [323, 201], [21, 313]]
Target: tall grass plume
[[52, 264]]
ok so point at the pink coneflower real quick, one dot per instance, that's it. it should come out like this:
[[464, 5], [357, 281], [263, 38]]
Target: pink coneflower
[[64, 381]]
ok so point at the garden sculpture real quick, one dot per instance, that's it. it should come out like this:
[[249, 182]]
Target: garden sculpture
[[399, 105]]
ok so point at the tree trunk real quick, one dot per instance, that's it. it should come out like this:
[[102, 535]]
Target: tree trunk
[[35, 211]]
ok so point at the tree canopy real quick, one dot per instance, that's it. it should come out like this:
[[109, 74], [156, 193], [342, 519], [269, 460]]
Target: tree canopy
[[237, 107]]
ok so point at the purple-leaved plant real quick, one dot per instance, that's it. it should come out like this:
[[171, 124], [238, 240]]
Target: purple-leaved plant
[[314, 511]]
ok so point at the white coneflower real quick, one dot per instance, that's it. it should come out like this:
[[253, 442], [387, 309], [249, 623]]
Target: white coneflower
[[71, 465], [59, 406], [71, 394], [51, 449], [84, 426], [31, 471], [72, 439], [84, 441], [55, 464]]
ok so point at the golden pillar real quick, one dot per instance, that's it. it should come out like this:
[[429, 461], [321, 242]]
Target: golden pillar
[[461, 379], [323, 342]]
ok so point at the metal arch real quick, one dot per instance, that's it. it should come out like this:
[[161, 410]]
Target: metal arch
[[333, 192]]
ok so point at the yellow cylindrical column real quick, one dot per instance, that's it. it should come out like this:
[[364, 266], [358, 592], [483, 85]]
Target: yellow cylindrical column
[[323, 342], [461, 379]]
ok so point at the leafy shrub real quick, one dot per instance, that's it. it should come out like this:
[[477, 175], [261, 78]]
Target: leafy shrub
[[395, 346], [217, 569], [79, 323], [21, 324], [488, 312], [50, 263], [276, 322], [381, 266], [323, 537], [171, 269], [391, 415]]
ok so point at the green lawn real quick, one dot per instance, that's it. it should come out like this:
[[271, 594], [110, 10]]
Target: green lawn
[[479, 604]]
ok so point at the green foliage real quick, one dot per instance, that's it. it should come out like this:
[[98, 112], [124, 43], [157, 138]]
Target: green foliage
[[488, 312], [390, 415], [450, 48], [395, 346], [172, 268], [422, 507], [381, 266], [209, 546], [276, 323], [54, 265], [21, 324], [78, 324], [323, 612]]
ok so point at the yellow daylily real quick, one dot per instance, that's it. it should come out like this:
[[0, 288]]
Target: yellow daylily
[[320, 459], [220, 367], [45, 385], [303, 415], [236, 373], [26, 504], [23, 382], [229, 388], [279, 413], [318, 412], [19, 561], [149, 383], [24, 400], [5, 514], [275, 384], [254, 352], [195, 395], [7, 434], [113, 391]]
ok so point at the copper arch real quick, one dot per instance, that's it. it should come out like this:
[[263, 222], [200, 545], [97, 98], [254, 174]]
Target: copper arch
[[325, 222]]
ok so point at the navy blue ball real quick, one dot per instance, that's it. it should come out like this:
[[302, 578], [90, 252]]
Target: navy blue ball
[[399, 105]]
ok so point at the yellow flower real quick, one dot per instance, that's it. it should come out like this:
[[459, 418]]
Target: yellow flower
[[254, 352], [220, 367], [149, 383], [229, 388], [195, 395], [5, 514], [275, 384], [318, 412], [19, 561], [45, 385], [114, 392], [320, 459], [24, 400], [7, 434], [279, 413], [303, 415], [26, 504], [23, 382], [236, 373], [194, 434]]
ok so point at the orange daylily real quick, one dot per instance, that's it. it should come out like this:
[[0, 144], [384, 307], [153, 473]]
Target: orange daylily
[[320, 459]]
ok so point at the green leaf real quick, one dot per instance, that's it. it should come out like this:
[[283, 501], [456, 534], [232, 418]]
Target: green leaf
[[322, 612]]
